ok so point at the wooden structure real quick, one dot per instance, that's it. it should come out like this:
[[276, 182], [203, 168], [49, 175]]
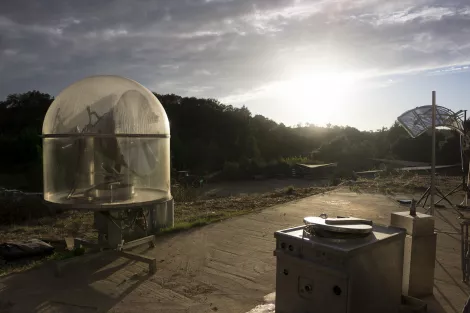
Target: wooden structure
[[444, 170], [314, 171]]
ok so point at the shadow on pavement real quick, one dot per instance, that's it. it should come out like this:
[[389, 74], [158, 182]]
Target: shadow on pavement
[[458, 284], [435, 307], [87, 285]]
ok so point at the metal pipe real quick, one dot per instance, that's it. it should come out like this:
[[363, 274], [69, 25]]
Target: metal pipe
[[467, 183], [462, 251], [433, 158], [90, 160]]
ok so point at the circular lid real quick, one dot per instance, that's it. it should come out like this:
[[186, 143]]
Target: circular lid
[[320, 223]]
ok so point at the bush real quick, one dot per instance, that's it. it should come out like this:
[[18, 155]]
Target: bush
[[294, 160], [279, 167], [231, 170], [17, 207], [343, 173], [386, 172], [185, 194], [257, 167], [290, 190]]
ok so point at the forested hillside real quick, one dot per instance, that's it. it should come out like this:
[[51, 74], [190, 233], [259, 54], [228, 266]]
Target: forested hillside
[[208, 136]]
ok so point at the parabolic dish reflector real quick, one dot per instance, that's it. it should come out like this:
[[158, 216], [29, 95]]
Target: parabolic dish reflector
[[418, 120]]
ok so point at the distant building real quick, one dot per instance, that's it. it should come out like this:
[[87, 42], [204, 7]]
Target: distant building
[[444, 170], [390, 163], [314, 171]]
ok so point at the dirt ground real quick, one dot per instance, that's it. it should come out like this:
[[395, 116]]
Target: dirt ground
[[225, 267]]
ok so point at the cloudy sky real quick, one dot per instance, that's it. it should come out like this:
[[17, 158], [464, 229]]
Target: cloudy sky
[[360, 63]]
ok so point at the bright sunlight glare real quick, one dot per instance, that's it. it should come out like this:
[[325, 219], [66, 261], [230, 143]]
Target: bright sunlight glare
[[318, 96]]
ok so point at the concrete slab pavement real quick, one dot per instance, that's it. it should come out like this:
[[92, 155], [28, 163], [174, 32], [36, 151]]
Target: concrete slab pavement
[[225, 267]]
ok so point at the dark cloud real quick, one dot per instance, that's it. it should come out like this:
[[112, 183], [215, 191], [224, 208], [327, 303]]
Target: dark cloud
[[221, 48]]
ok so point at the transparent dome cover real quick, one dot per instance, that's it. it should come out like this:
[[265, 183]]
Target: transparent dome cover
[[106, 104], [106, 144]]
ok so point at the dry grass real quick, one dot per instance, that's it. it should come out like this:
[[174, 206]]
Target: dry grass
[[80, 224], [188, 214], [220, 208], [23, 265], [401, 183], [71, 223], [16, 206], [191, 211]]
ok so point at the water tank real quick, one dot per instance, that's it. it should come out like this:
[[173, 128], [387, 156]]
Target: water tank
[[106, 144]]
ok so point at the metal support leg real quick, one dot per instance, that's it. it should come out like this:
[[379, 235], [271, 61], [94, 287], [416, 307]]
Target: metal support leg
[[151, 261], [450, 193], [465, 253], [462, 251], [426, 200], [467, 260], [443, 197], [425, 194], [111, 233], [138, 242]]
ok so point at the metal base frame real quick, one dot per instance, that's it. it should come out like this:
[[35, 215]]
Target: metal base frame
[[120, 251], [461, 187], [118, 228], [426, 195], [465, 250]]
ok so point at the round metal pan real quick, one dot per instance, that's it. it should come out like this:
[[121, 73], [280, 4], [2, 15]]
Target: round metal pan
[[319, 223]]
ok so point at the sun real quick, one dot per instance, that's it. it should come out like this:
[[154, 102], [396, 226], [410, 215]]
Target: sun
[[318, 96]]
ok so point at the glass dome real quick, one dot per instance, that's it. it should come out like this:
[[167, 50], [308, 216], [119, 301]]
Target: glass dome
[[106, 143]]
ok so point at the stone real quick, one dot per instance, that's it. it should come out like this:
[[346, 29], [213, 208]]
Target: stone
[[419, 225], [418, 265]]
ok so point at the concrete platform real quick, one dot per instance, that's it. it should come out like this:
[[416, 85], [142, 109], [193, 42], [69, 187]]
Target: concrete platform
[[225, 267]]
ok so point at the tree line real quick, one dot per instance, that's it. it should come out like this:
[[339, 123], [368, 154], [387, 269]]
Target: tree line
[[208, 136]]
